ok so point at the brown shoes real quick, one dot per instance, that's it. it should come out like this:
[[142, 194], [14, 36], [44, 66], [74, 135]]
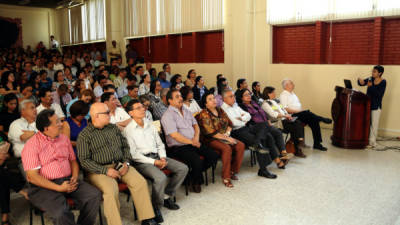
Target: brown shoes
[[299, 153]]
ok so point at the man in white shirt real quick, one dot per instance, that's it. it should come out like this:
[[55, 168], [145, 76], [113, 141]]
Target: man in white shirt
[[115, 51], [23, 128], [46, 100], [118, 115], [54, 43], [254, 137], [149, 156], [292, 104]]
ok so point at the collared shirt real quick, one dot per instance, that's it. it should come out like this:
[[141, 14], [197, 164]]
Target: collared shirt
[[17, 128], [194, 108], [290, 100], [97, 147], [165, 84], [143, 89], [202, 90], [98, 91], [173, 121], [56, 98], [56, 107], [119, 81], [157, 106], [119, 116], [144, 140], [234, 113], [51, 156]]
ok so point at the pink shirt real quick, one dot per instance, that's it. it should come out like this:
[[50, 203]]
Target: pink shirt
[[51, 156]]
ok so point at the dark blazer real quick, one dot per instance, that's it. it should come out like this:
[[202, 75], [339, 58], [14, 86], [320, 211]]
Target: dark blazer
[[196, 93]]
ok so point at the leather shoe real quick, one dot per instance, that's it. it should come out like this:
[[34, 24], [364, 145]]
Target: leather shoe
[[320, 147], [149, 222], [266, 174], [196, 188], [170, 204], [327, 120], [299, 153], [157, 215]]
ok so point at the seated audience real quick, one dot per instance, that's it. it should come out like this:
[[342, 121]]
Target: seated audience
[[277, 112], [163, 80], [144, 87], [258, 116], [158, 101], [376, 89], [52, 171], [145, 100], [61, 97], [215, 127], [10, 179], [133, 93], [253, 136], [23, 128], [118, 116], [139, 73], [149, 156], [47, 82], [27, 93], [176, 82], [167, 71], [77, 121], [9, 112], [98, 90], [241, 84], [182, 136], [8, 84], [256, 91], [199, 89], [121, 80], [191, 78], [87, 96], [122, 91], [292, 105], [35, 82], [222, 85], [104, 154], [188, 101], [46, 102]]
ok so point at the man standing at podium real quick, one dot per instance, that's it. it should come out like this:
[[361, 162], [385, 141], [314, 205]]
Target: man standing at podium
[[292, 104], [376, 90]]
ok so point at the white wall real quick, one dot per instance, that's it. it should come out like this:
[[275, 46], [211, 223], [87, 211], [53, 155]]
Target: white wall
[[37, 23]]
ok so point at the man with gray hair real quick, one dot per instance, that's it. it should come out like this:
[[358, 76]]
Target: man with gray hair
[[158, 103], [23, 128], [292, 104]]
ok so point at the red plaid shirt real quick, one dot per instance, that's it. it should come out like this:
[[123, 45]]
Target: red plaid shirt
[[51, 156]]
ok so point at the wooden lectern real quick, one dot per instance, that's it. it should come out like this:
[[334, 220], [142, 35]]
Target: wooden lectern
[[351, 113]]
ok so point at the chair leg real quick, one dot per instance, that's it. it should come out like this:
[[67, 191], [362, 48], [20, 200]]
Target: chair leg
[[134, 211], [186, 181], [213, 172], [174, 198], [100, 216], [206, 176], [254, 159], [251, 158], [42, 218], [31, 215]]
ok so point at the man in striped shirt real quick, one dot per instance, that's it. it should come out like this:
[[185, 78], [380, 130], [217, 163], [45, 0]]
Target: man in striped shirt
[[105, 154], [52, 171]]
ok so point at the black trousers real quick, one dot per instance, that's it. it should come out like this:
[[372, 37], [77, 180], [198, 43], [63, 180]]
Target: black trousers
[[9, 179], [190, 155], [275, 138], [255, 135], [87, 199], [295, 129], [312, 121]]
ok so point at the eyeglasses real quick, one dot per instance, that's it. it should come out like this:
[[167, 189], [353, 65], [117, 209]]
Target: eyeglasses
[[246, 94], [106, 112]]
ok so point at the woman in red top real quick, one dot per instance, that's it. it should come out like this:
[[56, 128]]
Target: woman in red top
[[215, 128]]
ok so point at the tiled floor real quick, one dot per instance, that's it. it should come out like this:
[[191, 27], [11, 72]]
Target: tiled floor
[[349, 187]]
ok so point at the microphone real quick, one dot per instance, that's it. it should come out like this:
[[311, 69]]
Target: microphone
[[370, 79]]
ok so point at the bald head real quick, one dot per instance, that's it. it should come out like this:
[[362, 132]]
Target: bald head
[[100, 114]]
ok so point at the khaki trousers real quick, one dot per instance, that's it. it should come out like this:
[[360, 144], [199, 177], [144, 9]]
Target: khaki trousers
[[109, 187]]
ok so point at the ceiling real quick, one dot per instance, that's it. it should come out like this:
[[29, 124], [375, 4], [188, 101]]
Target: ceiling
[[33, 3]]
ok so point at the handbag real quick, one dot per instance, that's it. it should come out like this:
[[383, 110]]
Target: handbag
[[290, 148]]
